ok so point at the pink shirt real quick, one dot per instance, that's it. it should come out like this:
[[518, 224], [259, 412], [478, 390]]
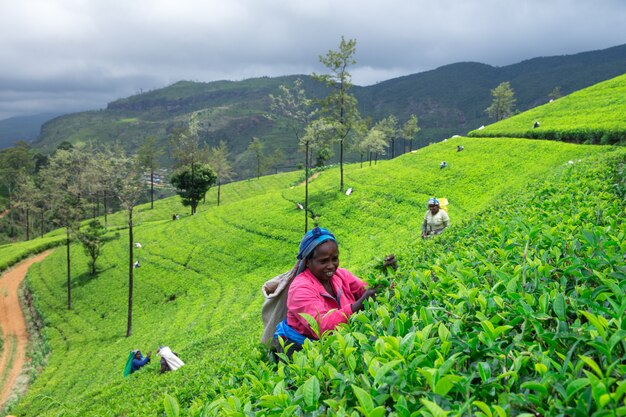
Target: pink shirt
[[307, 295]]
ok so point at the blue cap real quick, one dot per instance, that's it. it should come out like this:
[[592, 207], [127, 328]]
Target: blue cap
[[433, 200]]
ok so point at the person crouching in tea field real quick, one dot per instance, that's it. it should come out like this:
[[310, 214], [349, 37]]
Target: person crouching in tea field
[[135, 361], [320, 289], [435, 220], [169, 360]]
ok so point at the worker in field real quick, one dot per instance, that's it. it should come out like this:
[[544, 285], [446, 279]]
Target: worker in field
[[169, 360], [435, 220], [321, 290], [136, 361]]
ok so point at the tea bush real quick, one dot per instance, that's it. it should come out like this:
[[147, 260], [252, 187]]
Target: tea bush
[[198, 291], [593, 115], [519, 312]]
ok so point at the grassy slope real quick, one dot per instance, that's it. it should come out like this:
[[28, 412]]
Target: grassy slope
[[594, 114], [198, 287]]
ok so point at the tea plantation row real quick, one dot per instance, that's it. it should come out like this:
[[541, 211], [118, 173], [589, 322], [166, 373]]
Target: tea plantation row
[[592, 115], [198, 287], [520, 311]]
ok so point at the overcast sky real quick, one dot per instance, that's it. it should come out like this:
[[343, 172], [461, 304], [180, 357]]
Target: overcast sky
[[71, 55]]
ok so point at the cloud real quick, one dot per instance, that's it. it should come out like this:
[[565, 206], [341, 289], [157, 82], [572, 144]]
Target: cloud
[[89, 52]]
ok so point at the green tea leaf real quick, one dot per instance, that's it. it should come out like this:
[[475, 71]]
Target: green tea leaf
[[365, 399], [559, 307], [434, 408], [311, 392], [483, 407], [172, 408]]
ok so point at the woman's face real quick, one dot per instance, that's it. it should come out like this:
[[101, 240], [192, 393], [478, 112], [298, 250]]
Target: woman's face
[[433, 208], [325, 261]]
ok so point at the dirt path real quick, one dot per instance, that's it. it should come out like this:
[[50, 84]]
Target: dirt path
[[13, 326], [312, 177]]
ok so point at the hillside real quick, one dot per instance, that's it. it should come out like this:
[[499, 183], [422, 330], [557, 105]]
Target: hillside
[[25, 128], [591, 115], [198, 287], [448, 100]]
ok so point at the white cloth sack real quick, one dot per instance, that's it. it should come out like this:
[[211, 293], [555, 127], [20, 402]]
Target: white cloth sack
[[172, 360], [275, 306]]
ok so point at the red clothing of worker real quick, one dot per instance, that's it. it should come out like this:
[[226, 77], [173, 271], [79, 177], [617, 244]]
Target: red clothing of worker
[[307, 295]]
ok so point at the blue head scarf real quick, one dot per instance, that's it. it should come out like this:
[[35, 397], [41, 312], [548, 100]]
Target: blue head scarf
[[311, 240]]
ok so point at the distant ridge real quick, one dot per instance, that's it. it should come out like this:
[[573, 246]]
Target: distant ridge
[[448, 100], [26, 128]]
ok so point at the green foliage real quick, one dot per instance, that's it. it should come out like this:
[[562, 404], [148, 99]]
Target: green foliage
[[593, 115], [436, 343], [192, 184], [92, 239], [503, 102]]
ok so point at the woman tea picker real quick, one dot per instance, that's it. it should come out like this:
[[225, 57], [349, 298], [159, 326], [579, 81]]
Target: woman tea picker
[[321, 289], [435, 219]]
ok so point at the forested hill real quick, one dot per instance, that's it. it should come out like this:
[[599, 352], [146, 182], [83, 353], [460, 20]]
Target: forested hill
[[26, 128], [449, 100]]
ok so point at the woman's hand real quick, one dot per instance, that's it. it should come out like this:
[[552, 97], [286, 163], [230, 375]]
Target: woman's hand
[[369, 293]]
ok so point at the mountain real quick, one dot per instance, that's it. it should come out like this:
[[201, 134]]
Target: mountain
[[448, 100], [25, 128]]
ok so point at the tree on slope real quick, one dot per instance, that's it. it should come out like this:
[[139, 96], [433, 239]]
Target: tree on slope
[[408, 131], [255, 148], [149, 154], [92, 239], [63, 182], [191, 186], [128, 185], [339, 106], [317, 134], [503, 102], [218, 160], [188, 153], [293, 104]]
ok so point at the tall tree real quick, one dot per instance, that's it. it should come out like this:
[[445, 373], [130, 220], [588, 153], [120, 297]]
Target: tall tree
[[503, 102], [256, 149], [14, 161], [317, 134], [555, 93], [389, 128], [127, 183], [188, 151], [92, 239], [339, 106], [218, 160], [192, 186], [64, 184], [26, 198], [293, 104], [374, 143], [149, 153], [408, 131]]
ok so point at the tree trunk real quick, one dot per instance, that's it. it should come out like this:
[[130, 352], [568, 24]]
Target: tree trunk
[[361, 159], [69, 289], [410, 145], [393, 148], [151, 188], [27, 225], [42, 223], [370, 158], [306, 187], [104, 202], [129, 325], [341, 164], [219, 188]]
